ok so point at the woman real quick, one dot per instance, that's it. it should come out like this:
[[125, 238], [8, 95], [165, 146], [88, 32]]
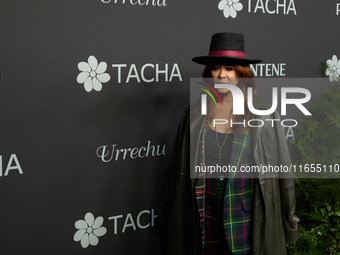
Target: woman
[[232, 214]]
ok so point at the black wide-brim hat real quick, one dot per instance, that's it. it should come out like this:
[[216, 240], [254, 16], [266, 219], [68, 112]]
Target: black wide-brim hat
[[226, 48]]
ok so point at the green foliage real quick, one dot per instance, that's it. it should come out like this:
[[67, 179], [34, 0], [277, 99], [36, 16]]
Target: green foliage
[[318, 200], [318, 135], [318, 206]]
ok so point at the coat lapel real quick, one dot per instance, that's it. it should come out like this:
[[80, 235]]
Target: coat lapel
[[239, 147]]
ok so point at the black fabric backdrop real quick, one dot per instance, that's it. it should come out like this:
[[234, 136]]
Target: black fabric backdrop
[[53, 133]]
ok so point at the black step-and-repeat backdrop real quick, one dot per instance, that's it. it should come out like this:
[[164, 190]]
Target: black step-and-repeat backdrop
[[91, 94]]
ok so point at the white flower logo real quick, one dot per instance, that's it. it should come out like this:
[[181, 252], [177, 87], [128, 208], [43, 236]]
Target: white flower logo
[[230, 7], [89, 230], [92, 74], [333, 70]]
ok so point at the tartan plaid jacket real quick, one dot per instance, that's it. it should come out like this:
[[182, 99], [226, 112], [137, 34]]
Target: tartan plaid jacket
[[238, 195], [273, 220]]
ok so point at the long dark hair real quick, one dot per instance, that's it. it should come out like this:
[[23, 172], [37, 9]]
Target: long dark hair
[[246, 79]]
